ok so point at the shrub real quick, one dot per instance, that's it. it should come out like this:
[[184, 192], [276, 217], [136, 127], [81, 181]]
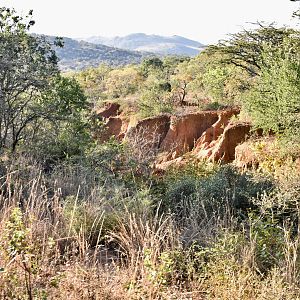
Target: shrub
[[237, 190], [268, 238], [215, 191], [155, 101]]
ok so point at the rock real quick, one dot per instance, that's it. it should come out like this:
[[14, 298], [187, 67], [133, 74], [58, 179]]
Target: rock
[[185, 131], [215, 145], [224, 148], [150, 131], [207, 135], [210, 136], [110, 110]]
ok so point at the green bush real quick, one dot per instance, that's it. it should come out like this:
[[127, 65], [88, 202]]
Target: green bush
[[268, 237], [154, 101], [228, 186], [218, 191], [88, 219]]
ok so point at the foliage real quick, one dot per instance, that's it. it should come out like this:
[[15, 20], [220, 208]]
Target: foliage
[[263, 78], [151, 64], [155, 101], [225, 84], [27, 63], [273, 103], [245, 48], [238, 190], [269, 241], [19, 249], [111, 158], [122, 82], [93, 82], [10, 22], [17, 234], [171, 267], [83, 219], [32, 91], [68, 139], [88, 220], [214, 191]]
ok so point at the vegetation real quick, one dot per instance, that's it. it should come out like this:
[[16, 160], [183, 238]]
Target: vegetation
[[79, 55], [84, 219]]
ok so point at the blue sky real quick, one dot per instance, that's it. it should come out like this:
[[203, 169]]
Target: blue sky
[[204, 20]]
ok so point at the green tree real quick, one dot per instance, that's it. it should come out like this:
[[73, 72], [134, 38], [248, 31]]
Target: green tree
[[244, 49], [149, 65], [274, 102], [31, 88], [93, 81], [122, 82], [297, 12]]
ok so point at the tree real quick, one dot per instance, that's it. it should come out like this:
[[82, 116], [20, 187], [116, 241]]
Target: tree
[[149, 65], [31, 87], [274, 102], [244, 49], [93, 81], [122, 82], [297, 12]]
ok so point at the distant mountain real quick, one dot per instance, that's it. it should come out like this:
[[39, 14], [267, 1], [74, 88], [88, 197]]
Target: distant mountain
[[174, 45], [79, 55]]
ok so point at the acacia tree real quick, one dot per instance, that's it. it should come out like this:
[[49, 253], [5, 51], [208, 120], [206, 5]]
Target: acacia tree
[[31, 87], [245, 49]]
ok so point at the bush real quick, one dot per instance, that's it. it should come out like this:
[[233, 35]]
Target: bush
[[155, 101], [268, 238], [89, 220], [214, 192], [229, 187]]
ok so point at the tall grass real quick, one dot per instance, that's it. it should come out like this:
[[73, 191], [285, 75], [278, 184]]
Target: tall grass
[[66, 235]]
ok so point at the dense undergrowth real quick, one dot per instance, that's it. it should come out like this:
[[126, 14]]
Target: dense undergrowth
[[205, 232], [81, 219]]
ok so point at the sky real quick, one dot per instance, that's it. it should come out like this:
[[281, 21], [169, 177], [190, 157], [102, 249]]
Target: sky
[[206, 21]]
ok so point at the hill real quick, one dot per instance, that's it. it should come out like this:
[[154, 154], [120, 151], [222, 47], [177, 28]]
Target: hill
[[79, 55], [173, 45]]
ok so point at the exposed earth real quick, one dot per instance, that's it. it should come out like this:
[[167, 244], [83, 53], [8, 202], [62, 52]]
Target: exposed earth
[[206, 135]]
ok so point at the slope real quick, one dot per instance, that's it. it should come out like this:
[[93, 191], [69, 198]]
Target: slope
[[174, 45], [79, 55]]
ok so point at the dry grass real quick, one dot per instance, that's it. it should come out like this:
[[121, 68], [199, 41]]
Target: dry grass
[[53, 248]]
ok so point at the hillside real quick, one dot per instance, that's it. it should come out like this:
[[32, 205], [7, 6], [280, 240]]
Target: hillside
[[173, 45], [79, 55]]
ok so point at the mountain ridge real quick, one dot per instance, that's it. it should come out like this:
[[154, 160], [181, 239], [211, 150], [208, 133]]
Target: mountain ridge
[[78, 55], [161, 45]]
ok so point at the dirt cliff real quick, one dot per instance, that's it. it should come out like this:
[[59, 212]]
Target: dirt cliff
[[151, 131], [223, 149], [184, 132], [206, 135], [114, 126]]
